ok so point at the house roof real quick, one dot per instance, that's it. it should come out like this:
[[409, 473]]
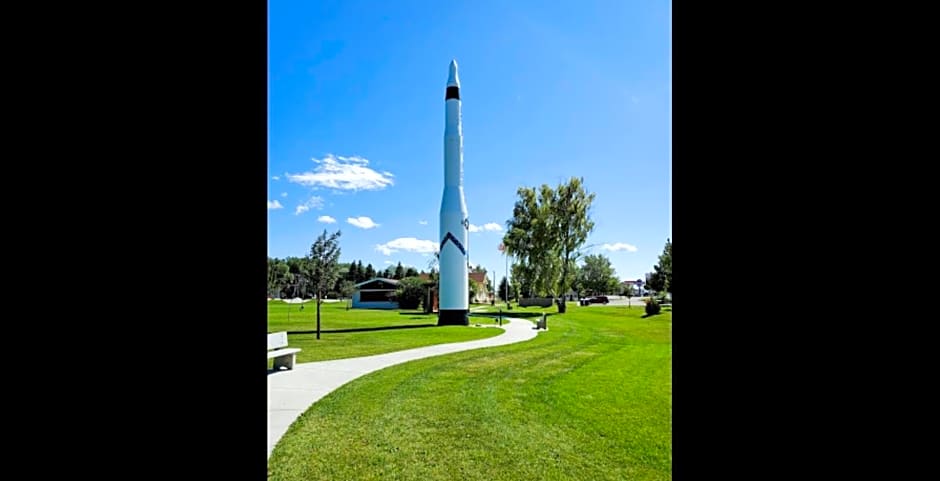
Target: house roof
[[478, 277], [383, 279]]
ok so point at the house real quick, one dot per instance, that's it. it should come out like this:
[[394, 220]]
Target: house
[[480, 296], [375, 293]]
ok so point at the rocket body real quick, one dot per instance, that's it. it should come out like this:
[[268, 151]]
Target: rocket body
[[454, 296]]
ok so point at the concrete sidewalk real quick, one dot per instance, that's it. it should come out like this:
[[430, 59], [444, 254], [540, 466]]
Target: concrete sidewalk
[[290, 393]]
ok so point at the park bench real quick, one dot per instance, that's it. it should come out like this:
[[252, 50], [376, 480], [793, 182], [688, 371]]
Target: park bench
[[540, 322], [282, 357]]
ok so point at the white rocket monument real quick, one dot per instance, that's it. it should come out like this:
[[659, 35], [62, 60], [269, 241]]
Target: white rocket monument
[[453, 303]]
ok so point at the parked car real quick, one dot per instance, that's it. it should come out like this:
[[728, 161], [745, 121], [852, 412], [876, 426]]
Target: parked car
[[594, 300]]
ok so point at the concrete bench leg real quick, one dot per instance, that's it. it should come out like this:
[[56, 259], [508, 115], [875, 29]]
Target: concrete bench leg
[[285, 361]]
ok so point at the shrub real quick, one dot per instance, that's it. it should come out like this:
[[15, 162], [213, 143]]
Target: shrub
[[410, 293], [652, 307]]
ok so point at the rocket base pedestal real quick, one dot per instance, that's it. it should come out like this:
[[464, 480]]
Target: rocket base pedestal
[[453, 317]]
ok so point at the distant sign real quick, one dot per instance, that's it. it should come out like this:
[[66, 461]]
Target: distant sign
[[639, 281]]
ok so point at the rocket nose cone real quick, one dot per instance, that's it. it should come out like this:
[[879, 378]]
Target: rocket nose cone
[[452, 79]]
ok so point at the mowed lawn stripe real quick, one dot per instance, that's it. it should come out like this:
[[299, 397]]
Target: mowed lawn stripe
[[591, 398]]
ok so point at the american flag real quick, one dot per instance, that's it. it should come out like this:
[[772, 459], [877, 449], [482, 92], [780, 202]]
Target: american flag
[[501, 247]]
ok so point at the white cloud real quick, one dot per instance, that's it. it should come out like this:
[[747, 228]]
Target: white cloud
[[326, 219], [388, 262], [283, 194], [344, 173], [619, 246], [489, 227], [423, 222], [362, 222], [275, 178], [274, 204], [313, 202], [409, 244]]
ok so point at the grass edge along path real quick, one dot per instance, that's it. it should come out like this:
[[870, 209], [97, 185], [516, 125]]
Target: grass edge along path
[[380, 330]]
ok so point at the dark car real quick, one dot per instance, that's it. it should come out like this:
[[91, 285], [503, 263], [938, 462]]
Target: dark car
[[594, 300]]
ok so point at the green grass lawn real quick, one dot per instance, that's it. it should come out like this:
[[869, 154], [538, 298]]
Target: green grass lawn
[[343, 345], [333, 315], [589, 399]]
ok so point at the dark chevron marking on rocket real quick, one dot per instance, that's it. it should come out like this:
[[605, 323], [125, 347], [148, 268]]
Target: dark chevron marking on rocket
[[455, 241]]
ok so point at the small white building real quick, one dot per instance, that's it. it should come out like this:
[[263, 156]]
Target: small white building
[[376, 293]]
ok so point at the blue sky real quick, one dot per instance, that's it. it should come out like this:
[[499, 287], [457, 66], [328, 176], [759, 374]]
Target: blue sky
[[550, 90]]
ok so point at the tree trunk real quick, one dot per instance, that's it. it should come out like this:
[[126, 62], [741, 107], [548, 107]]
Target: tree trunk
[[563, 287], [318, 314]]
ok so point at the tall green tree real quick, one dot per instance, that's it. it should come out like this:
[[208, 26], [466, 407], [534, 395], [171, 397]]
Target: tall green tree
[[660, 280], [282, 278], [665, 266], [655, 282], [360, 272], [545, 233], [272, 278], [573, 221], [505, 289], [597, 276], [399, 271], [411, 272], [529, 240], [369, 273], [323, 266], [352, 274]]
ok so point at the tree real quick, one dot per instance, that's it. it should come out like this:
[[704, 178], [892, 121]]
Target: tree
[[544, 235], [660, 280], [369, 273], [655, 281], [665, 266], [352, 274], [271, 277], [411, 272], [360, 272], [613, 286], [528, 239], [597, 275], [282, 277], [323, 266], [574, 224], [399, 272], [503, 287], [434, 261], [627, 290]]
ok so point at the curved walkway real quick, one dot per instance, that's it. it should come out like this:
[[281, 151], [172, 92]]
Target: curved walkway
[[290, 393]]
